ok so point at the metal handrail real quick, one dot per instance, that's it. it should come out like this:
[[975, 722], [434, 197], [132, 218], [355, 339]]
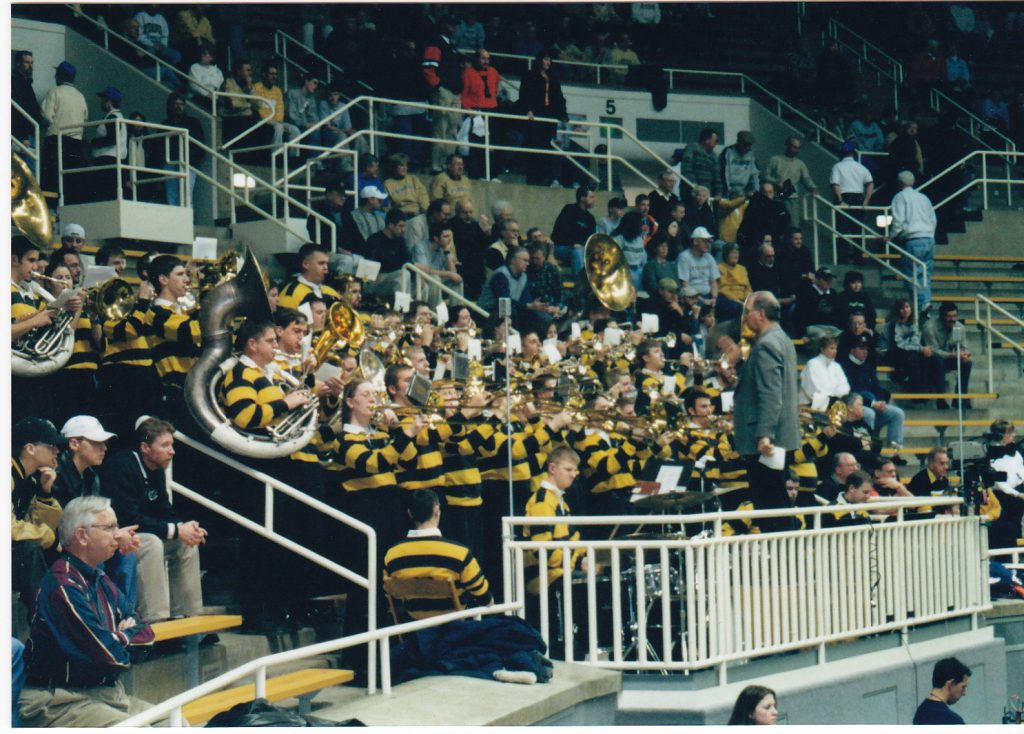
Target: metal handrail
[[864, 59], [411, 270], [835, 28], [937, 98], [281, 42], [990, 329], [34, 154], [172, 707], [263, 120], [1016, 556]]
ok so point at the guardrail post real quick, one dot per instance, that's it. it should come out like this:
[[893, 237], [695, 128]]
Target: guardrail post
[[372, 126], [385, 666], [988, 334], [984, 175], [261, 682], [487, 146], [608, 154], [814, 218]]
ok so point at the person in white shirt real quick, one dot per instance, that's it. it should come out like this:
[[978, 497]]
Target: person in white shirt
[[913, 229], [207, 73], [822, 375], [852, 186], [1007, 457]]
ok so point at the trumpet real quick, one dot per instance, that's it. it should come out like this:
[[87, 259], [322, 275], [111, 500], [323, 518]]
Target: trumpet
[[56, 281]]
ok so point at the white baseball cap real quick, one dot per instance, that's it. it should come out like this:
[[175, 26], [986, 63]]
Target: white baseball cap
[[86, 426], [73, 230], [371, 191], [700, 233]]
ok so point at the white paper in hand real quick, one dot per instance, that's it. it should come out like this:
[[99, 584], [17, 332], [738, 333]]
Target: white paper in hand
[[402, 301], [368, 270], [649, 323], [474, 350], [439, 370], [819, 402], [550, 350], [204, 248], [668, 385], [95, 274], [727, 401], [776, 460], [612, 336], [442, 313], [574, 331], [515, 344]]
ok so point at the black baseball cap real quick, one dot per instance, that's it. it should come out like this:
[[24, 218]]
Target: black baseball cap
[[36, 430]]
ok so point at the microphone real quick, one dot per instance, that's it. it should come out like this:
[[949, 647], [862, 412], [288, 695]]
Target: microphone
[[957, 333]]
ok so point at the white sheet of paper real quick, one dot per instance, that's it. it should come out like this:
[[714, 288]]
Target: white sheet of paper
[[440, 369], [402, 301], [204, 248], [574, 331], [97, 274], [367, 270], [612, 336], [475, 350], [668, 385], [515, 344], [777, 459], [550, 350], [727, 401], [819, 402], [305, 345], [442, 313], [668, 478], [326, 371], [649, 323], [63, 298], [307, 310]]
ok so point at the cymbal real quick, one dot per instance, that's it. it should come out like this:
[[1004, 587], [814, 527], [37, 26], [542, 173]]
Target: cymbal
[[675, 500]]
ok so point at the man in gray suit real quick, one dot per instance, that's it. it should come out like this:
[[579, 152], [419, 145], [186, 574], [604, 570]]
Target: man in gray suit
[[766, 405]]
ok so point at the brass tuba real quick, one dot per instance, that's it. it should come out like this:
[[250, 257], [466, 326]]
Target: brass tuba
[[241, 296], [608, 273], [45, 350]]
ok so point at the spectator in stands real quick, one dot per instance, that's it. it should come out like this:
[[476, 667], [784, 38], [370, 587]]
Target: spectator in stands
[[995, 111], [764, 274], [135, 480], [65, 110], [510, 281], [544, 278], [822, 375], [629, 237], [469, 33], [916, 364], [442, 71], [856, 491], [84, 634], [835, 78], [855, 299], [154, 34], [701, 211], [573, 227], [958, 74], [176, 117], [817, 307], [676, 229], [338, 127], [755, 705], [866, 133], [933, 479], [540, 95], [473, 238], [302, 110], [947, 338], [365, 222], [238, 113], [527, 41], [405, 81], [268, 89], [676, 309], [843, 465], [193, 30], [905, 153], [621, 54], [852, 186], [109, 146], [659, 265], [480, 84], [332, 208], [1005, 455], [388, 247], [23, 94], [72, 238], [949, 680], [452, 184], [436, 256], [648, 224], [699, 163], [739, 167], [913, 229], [662, 199], [765, 215], [113, 256], [886, 480], [616, 207], [879, 412], [697, 268], [369, 175], [734, 284], [791, 177], [927, 71], [207, 73], [405, 191]]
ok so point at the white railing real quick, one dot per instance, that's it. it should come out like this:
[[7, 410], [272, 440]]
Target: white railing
[[697, 603], [860, 239], [868, 54], [122, 167], [425, 281], [283, 42], [32, 153], [171, 709], [744, 82], [985, 324], [976, 127], [1014, 556]]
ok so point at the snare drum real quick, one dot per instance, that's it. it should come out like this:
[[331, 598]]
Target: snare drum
[[652, 579]]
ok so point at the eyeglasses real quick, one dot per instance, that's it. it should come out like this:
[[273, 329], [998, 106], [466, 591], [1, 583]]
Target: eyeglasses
[[111, 528]]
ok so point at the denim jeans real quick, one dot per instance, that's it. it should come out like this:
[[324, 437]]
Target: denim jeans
[[923, 248], [892, 418], [172, 187]]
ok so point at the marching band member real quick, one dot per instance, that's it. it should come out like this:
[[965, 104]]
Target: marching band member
[[301, 288], [74, 385], [28, 312], [174, 335]]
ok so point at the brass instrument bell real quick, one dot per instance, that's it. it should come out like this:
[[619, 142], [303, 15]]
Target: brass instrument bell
[[608, 273]]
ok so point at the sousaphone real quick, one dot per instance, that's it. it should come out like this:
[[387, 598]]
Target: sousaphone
[[608, 273]]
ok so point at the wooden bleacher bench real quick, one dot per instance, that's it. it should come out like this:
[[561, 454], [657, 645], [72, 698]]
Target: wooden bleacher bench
[[936, 298], [302, 684], [951, 422], [882, 368], [983, 279], [944, 396], [907, 450], [961, 258], [205, 624]]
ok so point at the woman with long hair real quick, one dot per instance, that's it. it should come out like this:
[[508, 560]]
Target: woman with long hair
[[660, 263], [540, 95], [629, 236], [919, 365], [734, 285], [73, 387], [755, 706]]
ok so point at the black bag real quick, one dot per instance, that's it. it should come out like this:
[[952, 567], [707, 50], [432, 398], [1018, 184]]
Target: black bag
[[263, 713]]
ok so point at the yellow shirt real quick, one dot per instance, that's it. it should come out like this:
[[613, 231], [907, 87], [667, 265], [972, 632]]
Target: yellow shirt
[[274, 95]]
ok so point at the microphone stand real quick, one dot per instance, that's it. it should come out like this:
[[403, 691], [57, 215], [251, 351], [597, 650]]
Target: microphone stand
[[958, 334]]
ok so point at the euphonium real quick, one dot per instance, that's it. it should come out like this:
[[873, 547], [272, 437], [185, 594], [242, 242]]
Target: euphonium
[[242, 295]]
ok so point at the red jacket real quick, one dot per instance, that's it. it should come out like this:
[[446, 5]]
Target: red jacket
[[475, 82]]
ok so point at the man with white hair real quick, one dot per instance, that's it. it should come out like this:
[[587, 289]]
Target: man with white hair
[[913, 229], [84, 634]]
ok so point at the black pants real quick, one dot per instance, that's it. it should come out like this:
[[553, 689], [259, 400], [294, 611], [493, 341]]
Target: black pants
[[73, 153], [462, 523], [850, 227], [768, 491]]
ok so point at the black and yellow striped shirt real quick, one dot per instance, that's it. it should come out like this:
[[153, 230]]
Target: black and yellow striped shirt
[[85, 355], [606, 466], [249, 398], [546, 502], [461, 474], [294, 293], [426, 470], [127, 340], [23, 304], [368, 460], [174, 341], [426, 554]]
